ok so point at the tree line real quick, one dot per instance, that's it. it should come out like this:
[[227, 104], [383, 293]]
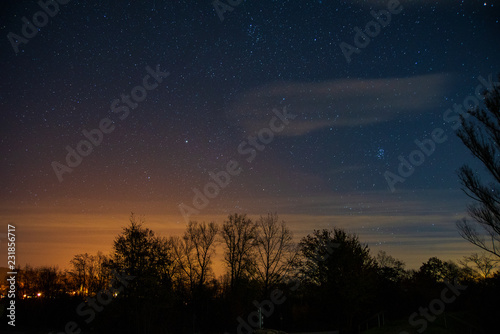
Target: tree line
[[328, 280]]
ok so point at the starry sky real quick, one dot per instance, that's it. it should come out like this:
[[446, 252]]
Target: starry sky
[[303, 108]]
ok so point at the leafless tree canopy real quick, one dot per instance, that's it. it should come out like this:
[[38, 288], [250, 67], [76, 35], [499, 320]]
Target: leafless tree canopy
[[479, 265], [480, 132], [276, 251], [194, 252], [239, 236], [90, 273]]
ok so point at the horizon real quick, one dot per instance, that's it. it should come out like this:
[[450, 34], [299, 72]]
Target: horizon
[[414, 253]]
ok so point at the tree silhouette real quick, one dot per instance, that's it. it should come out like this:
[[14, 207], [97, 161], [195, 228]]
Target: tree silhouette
[[148, 261], [194, 252], [79, 272], [480, 133], [275, 250], [238, 233], [133, 248], [341, 286], [436, 270], [341, 273], [390, 267], [482, 265], [139, 253], [90, 273]]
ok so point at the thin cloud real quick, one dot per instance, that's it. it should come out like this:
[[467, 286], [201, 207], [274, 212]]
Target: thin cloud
[[338, 103]]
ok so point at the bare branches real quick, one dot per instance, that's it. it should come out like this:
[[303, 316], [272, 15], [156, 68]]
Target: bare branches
[[238, 234], [194, 252], [480, 133], [276, 251], [479, 265]]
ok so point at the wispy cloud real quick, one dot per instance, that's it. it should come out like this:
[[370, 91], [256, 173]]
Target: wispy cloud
[[339, 103]]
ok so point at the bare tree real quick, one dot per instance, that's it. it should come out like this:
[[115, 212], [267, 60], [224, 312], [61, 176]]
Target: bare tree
[[482, 265], [80, 273], [49, 281], [194, 252], [185, 271], [480, 133], [102, 272], [40, 282], [27, 281], [90, 273], [163, 253], [238, 234], [275, 249]]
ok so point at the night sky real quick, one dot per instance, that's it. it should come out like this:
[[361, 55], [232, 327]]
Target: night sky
[[278, 101]]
